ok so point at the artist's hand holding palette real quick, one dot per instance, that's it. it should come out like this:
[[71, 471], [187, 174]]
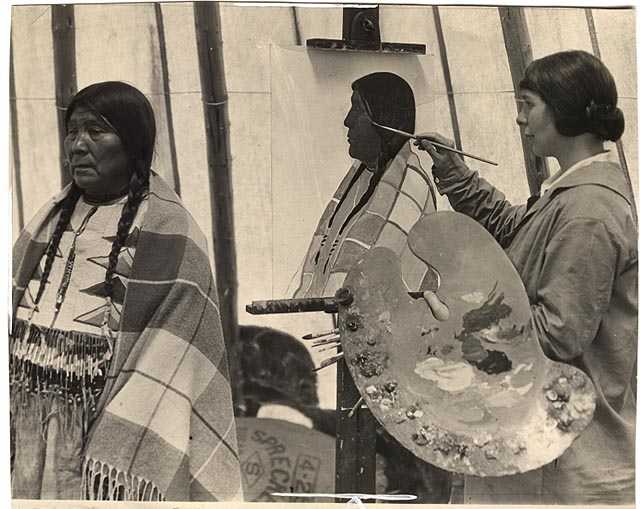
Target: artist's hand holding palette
[[473, 394]]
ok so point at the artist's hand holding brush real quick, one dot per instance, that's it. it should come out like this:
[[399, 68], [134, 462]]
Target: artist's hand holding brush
[[445, 162]]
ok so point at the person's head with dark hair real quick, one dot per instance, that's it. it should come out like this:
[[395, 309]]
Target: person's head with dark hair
[[387, 99], [276, 368], [110, 137], [111, 109], [580, 98]]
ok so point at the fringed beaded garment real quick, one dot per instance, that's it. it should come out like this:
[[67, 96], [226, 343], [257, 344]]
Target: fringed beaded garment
[[61, 349]]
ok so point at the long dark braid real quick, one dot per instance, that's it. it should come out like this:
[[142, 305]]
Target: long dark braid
[[130, 114], [66, 210], [137, 188], [373, 185]]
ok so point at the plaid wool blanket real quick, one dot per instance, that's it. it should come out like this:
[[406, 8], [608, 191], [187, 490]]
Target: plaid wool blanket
[[165, 428], [403, 194]]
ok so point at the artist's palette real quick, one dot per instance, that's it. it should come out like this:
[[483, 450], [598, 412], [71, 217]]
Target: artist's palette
[[473, 394], [280, 456]]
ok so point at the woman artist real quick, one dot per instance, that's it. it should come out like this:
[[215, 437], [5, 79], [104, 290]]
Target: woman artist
[[575, 247]]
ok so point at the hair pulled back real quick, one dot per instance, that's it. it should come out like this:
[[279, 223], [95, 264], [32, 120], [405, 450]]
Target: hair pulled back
[[580, 91]]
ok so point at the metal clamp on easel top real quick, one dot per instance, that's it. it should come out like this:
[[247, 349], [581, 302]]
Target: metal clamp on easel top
[[361, 32]]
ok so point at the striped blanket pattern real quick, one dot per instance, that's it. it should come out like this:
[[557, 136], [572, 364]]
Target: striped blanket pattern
[[165, 428], [405, 192]]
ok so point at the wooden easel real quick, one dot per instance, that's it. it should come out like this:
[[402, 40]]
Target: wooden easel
[[356, 427]]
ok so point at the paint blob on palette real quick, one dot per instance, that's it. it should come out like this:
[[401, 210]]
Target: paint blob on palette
[[472, 393]]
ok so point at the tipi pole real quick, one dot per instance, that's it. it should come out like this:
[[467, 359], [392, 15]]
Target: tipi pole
[[214, 98], [518, 46], [15, 144], [64, 69], [167, 96], [444, 60]]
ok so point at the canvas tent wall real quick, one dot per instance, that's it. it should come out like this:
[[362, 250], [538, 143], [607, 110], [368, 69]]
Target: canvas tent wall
[[286, 107]]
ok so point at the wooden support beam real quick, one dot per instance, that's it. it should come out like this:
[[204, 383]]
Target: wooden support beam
[[355, 439], [64, 70], [166, 89], [214, 99], [593, 35], [518, 46], [444, 60], [296, 26], [15, 144]]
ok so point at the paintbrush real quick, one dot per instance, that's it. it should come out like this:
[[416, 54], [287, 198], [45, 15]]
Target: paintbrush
[[445, 147]]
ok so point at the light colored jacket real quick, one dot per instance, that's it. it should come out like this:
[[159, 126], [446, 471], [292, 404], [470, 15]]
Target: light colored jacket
[[576, 251]]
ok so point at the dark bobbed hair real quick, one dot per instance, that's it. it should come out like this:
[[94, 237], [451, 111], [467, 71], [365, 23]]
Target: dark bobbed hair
[[580, 91], [130, 114], [390, 101]]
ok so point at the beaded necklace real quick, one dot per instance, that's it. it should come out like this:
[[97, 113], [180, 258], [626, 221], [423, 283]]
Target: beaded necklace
[[68, 267]]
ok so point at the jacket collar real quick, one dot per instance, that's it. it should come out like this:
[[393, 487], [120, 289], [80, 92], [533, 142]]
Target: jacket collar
[[601, 173], [606, 174]]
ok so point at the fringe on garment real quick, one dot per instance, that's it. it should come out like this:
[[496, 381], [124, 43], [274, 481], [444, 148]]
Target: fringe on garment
[[50, 365], [104, 482]]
